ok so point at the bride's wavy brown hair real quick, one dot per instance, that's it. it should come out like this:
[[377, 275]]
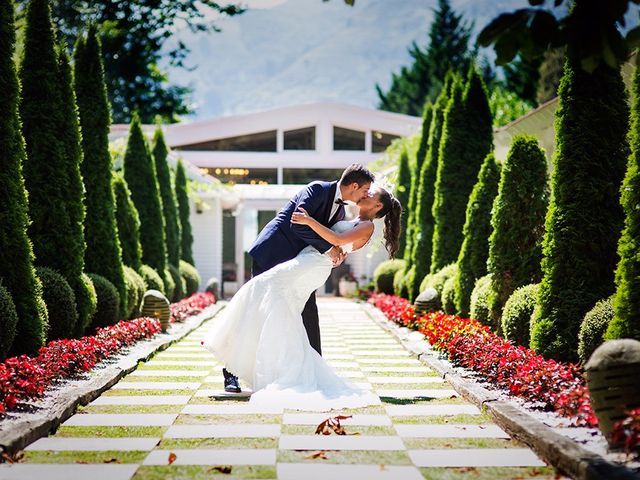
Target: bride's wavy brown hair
[[391, 211]]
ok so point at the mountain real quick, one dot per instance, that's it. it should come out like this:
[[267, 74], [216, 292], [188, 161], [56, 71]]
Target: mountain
[[301, 51]]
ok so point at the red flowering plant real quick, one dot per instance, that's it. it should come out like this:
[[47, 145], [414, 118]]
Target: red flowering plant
[[23, 378], [626, 433], [191, 306], [551, 385]]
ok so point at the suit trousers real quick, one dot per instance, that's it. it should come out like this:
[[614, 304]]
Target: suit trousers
[[310, 318]]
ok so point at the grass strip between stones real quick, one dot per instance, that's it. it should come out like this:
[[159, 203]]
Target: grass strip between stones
[[110, 432], [362, 457], [483, 419], [202, 419], [488, 473], [442, 443], [81, 457], [189, 472], [217, 443]]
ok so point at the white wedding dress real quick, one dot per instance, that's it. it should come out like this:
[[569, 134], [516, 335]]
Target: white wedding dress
[[260, 337]]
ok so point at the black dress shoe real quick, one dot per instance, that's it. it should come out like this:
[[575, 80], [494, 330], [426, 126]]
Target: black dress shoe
[[231, 384]]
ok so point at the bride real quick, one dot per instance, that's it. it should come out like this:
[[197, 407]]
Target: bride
[[260, 335]]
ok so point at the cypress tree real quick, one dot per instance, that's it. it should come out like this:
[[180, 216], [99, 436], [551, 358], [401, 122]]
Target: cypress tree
[[402, 192], [414, 181], [140, 175], [585, 218], [183, 210], [515, 249], [16, 254], [168, 195], [626, 301], [472, 260], [128, 223], [103, 254], [467, 138], [420, 258]]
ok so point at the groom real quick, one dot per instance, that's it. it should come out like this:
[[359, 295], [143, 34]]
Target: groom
[[280, 240]]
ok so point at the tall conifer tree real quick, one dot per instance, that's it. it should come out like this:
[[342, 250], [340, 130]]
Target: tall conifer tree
[[103, 255], [183, 210], [128, 224], [16, 254], [402, 192]]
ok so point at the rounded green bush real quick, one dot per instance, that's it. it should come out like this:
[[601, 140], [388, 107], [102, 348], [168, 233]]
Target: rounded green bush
[[480, 300], [169, 284], [86, 303], [398, 282], [384, 275], [151, 278], [593, 327], [60, 301], [135, 290], [191, 277], [108, 302], [517, 312], [181, 284], [438, 279], [448, 296], [8, 321]]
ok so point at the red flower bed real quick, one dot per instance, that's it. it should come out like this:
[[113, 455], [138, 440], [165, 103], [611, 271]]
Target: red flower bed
[[626, 433], [555, 386], [24, 377]]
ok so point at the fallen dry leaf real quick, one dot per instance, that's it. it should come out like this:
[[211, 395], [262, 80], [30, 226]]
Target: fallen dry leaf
[[332, 424], [12, 458], [319, 454], [82, 462], [226, 469], [382, 466], [110, 460], [172, 457]]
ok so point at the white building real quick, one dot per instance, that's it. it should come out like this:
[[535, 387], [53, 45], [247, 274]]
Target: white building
[[266, 157]]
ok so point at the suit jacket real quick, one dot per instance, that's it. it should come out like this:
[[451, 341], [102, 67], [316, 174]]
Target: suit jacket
[[280, 240]]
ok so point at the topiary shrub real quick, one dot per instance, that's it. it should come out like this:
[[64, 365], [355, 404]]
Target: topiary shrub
[[87, 308], [135, 291], [480, 300], [108, 302], [398, 283], [60, 301], [191, 277], [448, 296], [516, 316], [384, 274], [179, 292], [182, 197], [151, 278], [438, 279], [8, 321], [593, 327], [169, 284]]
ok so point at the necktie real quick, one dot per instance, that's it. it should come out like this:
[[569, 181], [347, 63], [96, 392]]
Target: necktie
[[339, 201]]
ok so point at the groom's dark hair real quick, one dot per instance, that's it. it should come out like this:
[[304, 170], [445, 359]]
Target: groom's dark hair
[[356, 173]]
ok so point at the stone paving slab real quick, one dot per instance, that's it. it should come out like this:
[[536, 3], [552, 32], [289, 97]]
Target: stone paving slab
[[339, 364], [121, 420], [450, 431], [219, 392], [142, 400], [181, 363], [93, 444], [402, 380], [169, 373], [350, 374], [426, 410], [125, 385], [411, 393], [66, 472], [241, 409], [245, 430], [400, 361], [480, 457], [381, 353], [314, 471], [316, 418], [398, 369], [340, 442], [213, 457]]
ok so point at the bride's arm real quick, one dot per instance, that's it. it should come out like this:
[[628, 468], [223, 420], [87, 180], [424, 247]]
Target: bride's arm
[[360, 232]]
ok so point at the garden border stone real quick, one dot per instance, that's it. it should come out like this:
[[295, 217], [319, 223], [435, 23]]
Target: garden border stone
[[15, 434], [563, 453]]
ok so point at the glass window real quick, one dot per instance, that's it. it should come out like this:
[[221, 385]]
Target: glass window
[[254, 142], [345, 139], [301, 139], [302, 176], [380, 141], [252, 176]]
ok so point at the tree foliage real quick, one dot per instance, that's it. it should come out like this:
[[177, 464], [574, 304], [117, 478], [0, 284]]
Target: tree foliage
[[128, 223], [182, 198], [402, 191]]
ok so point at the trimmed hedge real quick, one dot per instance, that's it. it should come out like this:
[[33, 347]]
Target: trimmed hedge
[[135, 291], [516, 316], [151, 278], [169, 284], [182, 197], [384, 274], [108, 302], [191, 277], [448, 296], [593, 327], [8, 321], [128, 223], [398, 283], [402, 190], [438, 279], [180, 284], [60, 301], [480, 300]]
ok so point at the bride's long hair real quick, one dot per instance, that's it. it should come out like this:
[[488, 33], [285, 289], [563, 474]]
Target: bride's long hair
[[391, 211]]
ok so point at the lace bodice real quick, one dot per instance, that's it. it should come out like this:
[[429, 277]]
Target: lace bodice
[[343, 226]]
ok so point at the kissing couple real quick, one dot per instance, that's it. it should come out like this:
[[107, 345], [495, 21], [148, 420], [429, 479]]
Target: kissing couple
[[269, 333]]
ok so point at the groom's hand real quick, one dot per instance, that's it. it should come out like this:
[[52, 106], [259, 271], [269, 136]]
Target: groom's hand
[[337, 255]]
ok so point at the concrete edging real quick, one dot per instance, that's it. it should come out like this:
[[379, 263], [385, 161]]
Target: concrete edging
[[563, 453], [17, 434]]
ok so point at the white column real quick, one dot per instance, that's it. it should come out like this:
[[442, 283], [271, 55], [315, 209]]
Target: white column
[[280, 176], [368, 141], [239, 214], [279, 140]]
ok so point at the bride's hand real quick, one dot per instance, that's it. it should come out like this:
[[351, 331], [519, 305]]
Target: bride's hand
[[301, 217]]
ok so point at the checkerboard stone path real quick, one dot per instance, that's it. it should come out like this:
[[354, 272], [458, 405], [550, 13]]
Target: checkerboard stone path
[[171, 419]]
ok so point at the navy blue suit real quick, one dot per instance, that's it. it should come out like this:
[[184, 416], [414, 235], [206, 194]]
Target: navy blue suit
[[280, 240]]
